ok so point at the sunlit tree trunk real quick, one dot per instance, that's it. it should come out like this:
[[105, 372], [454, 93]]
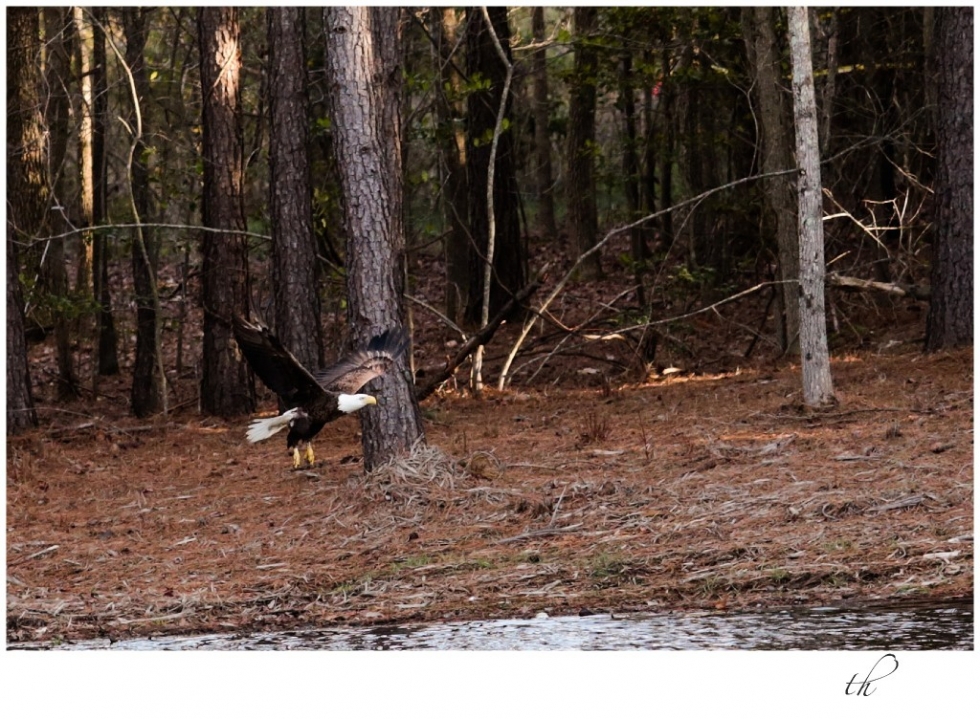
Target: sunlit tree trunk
[[950, 321], [27, 196], [83, 30], [297, 303], [817, 384], [363, 66], [227, 388]]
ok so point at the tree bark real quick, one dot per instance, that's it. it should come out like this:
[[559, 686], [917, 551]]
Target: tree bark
[[58, 24], [777, 154], [583, 221], [227, 387], [83, 30], [639, 252], [542, 131], [146, 394], [108, 363], [452, 151], [363, 63], [510, 256], [818, 387], [297, 303], [950, 320], [27, 196]]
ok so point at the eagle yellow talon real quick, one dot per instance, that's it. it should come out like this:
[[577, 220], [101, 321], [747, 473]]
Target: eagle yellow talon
[[297, 459], [309, 453]]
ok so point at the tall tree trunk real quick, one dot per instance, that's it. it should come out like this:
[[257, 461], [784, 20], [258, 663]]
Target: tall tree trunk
[[583, 220], [950, 321], [146, 394], [227, 387], [777, 154], [58, 31], [452, 151], [363, 61], [510, 256], [542, 131], [27, 196], [106, 327], [639, 251], [297, 303], [818, 387], [83, 30]]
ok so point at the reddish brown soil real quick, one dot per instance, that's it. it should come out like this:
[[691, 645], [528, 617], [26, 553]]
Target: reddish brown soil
[[715, 490]]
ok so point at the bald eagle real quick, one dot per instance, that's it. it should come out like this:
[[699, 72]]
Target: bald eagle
[[311, 399]]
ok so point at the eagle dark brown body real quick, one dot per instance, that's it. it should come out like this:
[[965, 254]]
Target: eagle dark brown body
[[312, 400]]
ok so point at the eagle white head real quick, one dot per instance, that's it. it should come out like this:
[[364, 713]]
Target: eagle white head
[[354, 402]]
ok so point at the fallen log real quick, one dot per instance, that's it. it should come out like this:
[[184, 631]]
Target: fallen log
[[892, 288]]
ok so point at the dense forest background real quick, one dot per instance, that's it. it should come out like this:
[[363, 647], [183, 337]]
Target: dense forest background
[[673, 123]]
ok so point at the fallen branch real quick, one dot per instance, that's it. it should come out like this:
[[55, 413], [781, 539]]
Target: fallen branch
[[540, 533], [480, 338], [44, 551], [892, 288]]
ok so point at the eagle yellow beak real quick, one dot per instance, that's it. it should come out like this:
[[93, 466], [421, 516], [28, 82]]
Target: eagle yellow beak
[[370, 400]]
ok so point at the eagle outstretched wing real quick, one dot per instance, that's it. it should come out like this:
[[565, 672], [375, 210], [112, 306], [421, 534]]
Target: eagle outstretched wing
[[276, 366], [358, 368]]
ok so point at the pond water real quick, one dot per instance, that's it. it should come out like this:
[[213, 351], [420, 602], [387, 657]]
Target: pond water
[[945, 626]]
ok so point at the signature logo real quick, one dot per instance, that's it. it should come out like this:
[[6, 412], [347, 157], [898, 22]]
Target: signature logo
[[889, 664]]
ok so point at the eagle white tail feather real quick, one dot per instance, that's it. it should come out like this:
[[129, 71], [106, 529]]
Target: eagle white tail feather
[[264, 428]]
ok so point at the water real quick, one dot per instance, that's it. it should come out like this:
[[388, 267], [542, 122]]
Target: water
[[947, 626]]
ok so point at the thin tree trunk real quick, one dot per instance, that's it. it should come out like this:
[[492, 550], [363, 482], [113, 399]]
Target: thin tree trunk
[[950, 321], [108, 363], [818, 387], [583, 221], [510, 255], [452, 150], [631, 174], [362, 60], [542, 131], [83, 30], [777, 154], [146, 395], [58, 31], [297, 303]]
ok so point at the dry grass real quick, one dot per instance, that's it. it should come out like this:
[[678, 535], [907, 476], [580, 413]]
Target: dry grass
[[714, 491]]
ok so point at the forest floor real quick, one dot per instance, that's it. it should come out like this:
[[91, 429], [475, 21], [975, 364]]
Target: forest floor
[[600, 485]]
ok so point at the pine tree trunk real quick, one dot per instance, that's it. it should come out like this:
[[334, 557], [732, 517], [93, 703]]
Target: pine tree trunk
[[27, 196], [297, 304], [227, 388], [363, 63], [452, 151], [106, 326], [583, 221], [950, 321], [777, 142], [145, 396], [510, 255], [542, 131], [818, 387], [83, 33], [57, 33]]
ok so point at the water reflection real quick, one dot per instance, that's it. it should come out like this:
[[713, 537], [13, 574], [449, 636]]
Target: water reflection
[[948, 626]]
